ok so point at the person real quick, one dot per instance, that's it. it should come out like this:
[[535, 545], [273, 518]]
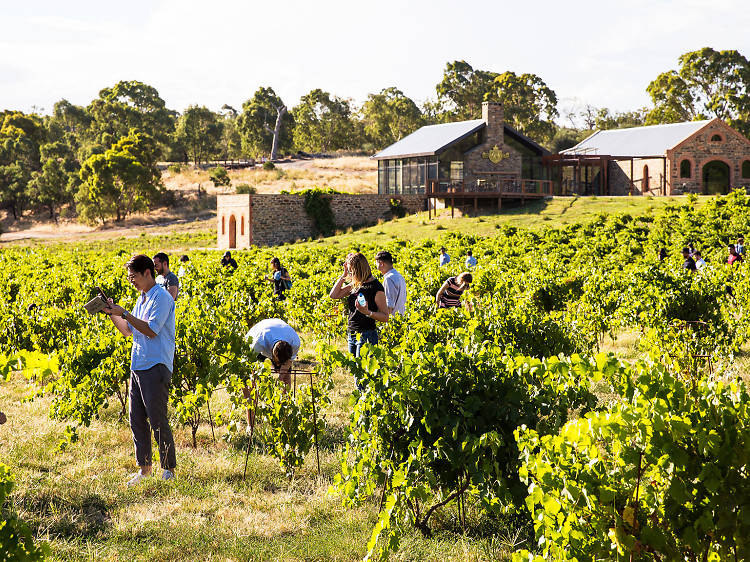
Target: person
[[740, 246], [151, 325], [700, 263], [449, 295], [183, 266], [689, 262], [280, 278], [166, 278], [228, 260], [662, 254], [3, 418], [444, 258], [276, 340], [365, 301], [734, 256], [471, 261], [393, 282]]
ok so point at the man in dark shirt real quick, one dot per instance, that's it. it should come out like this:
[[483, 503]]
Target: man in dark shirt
[[689, 262], [228, 260], [164, 276]]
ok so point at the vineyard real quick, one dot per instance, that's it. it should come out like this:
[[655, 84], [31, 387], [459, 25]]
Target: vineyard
[[504, 430]]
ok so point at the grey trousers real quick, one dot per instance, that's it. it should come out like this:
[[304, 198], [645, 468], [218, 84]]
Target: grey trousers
[[149, 394]]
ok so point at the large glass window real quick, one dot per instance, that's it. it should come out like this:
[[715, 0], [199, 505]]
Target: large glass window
[[382, 177]]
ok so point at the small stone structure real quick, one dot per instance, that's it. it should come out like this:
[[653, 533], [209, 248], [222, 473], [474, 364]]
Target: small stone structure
[[271, 219]]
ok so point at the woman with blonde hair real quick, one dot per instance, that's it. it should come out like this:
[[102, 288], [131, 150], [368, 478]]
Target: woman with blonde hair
[[365, 301]]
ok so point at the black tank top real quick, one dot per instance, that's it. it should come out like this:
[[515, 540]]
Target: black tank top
[[358, 322]]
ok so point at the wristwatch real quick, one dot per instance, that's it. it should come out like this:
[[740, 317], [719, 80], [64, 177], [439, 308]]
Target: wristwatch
[[369, 315], [125, 315]]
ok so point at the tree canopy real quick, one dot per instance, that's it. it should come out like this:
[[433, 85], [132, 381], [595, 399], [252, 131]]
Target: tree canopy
[[707, 84], [389, 116], [256, 124], [323, 122], [199, 130]]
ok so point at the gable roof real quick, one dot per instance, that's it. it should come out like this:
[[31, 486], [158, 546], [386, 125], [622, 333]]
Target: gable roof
[[653, 140], [429, 140]]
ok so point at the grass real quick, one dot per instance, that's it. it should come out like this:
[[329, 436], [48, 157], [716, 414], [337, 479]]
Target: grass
[[76, 499]]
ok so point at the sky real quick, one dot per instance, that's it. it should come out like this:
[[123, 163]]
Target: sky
[[602, 53]]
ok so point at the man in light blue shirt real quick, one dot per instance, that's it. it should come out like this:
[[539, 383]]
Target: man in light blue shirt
[[152, 327], [393, 283], [471, 261], [444, 258]]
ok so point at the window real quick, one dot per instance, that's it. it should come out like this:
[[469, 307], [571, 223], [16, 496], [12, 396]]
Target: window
[[242, 225], [457, 171], [223, 230], [746, 169], [716, 138], [685, 169], [645, 178]]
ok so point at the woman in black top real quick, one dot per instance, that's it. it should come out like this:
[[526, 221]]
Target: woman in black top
[[280, 278], [365, 301]]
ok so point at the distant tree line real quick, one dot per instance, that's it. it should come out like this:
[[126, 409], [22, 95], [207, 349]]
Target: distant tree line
[[99, 161]]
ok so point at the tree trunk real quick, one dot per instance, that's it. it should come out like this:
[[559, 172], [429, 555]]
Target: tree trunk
[[280, 111]]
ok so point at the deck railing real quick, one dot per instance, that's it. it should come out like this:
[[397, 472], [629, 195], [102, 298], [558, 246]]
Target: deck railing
[[507, 186]]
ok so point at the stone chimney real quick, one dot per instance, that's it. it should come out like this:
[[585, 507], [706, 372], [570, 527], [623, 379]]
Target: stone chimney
[[493, 115]]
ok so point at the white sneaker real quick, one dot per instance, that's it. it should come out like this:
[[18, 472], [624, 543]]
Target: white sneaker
[[135, 478], [168, 475]]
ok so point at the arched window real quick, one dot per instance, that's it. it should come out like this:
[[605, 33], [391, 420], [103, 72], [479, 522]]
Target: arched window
[[746, 169], [645, 178], [242, 225], [716, 138], [685, 168], [223, 230]]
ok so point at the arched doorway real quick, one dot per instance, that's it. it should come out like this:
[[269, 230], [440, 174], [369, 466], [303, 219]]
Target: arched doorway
[[232, 232], [716, 178]]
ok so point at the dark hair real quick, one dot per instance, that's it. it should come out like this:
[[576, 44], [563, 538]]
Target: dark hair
[[276, 263], [686, 250], [227, 254], [464, 277], [468, 252], [697, 253], [384, 256], [161, 256], [184, 258], [141, 264], [442, 248], [281, 353]]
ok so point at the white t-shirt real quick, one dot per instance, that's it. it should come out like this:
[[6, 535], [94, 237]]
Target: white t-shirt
[[266, 333]]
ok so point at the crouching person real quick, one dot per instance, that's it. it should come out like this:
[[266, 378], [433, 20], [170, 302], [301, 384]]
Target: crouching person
[[276, 340]]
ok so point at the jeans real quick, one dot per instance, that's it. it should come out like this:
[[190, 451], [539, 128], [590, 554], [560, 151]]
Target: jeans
[[369, 336], [149, 394]]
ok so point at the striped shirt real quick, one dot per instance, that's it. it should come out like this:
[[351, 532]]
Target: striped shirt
[[452, 294]]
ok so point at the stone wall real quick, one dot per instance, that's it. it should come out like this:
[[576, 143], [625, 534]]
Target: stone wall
[[733, 149], [282, 218], [619, 176], [476, 161]]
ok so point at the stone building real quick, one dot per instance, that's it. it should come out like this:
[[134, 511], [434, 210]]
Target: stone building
[[704, 157], [480, 156]]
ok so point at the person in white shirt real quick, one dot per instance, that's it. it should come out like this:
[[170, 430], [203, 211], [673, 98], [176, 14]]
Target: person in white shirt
[[700, 263], [444, 258], [393, 282], [471, 261], [276, 340]]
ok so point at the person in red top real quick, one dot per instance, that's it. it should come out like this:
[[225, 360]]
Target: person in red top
[[733, 255]]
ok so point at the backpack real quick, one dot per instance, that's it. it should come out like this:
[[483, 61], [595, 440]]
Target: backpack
[[287, 283]]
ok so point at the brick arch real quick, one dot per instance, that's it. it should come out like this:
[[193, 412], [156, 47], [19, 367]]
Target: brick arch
[[693, 167], [710, 159]]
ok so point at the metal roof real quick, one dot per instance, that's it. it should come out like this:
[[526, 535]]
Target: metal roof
[[429, 140], [653, 140]]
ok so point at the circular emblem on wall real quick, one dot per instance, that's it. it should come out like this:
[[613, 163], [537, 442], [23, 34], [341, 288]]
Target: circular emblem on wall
[[495, 155]]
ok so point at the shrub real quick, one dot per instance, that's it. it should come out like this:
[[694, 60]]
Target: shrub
[[318, 208], [397, 208], [245, 188], [174, 168], [219, 176], [269, 165]]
